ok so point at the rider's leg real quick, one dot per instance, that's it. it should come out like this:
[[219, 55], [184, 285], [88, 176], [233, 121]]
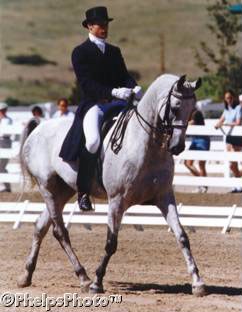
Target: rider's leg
[[91, 128]]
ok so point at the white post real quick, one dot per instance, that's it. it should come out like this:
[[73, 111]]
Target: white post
[[67, 225], [20, 215], [229, 219], [226, 162]]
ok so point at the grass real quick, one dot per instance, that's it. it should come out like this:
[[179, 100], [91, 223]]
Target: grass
[[34, 91], [51, 28]]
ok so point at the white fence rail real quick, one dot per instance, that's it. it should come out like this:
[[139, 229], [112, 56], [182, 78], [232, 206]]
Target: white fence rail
[[198, 216], [217, 158]]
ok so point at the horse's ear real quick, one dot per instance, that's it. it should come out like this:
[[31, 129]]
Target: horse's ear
[[196, 84], [180, 83]]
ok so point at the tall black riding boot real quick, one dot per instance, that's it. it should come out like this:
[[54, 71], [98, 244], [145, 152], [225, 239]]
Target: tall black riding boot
[[86, 173]]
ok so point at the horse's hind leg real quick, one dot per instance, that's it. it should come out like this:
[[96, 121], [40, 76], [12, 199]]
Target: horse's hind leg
[[55, 206], [115, 215], [169, 210], [41, 228]]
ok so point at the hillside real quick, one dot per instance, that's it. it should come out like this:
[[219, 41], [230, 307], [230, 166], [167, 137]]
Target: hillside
[[51, 28]]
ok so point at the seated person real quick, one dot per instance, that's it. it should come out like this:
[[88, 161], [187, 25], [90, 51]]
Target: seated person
[[105, 82]]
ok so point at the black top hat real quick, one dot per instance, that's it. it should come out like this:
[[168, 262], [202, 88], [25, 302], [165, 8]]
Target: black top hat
[[97, 14]]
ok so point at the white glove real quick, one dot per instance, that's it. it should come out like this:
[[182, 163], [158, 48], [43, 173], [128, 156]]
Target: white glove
[[138, 92], [121, 93]]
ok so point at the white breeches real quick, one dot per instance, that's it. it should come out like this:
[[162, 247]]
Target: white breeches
[[92, 122], [91, 127]]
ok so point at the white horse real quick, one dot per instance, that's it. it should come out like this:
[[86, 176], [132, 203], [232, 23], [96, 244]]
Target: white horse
[[141, 172]]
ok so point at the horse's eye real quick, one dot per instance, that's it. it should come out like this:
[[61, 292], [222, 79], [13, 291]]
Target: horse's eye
[[175, 106]]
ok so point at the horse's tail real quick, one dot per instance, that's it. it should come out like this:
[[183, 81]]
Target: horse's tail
[[32, 124]]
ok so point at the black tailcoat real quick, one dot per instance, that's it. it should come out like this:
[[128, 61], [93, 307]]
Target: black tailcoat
[[97, 73]]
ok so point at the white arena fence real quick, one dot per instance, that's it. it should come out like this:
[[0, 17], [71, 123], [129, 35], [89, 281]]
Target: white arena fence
[[219, 176], [225, 218], [217, 158]]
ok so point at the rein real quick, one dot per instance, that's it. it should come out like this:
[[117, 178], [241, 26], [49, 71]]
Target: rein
[[117, 135], [165, 129]]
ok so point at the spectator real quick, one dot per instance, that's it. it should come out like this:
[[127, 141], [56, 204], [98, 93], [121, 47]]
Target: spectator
[[199, 143], [38, 116], [232, 116], [5, 142], [63, 110], [37, 112]]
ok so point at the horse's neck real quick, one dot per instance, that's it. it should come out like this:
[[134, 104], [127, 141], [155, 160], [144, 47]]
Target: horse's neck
[[139, 131], [141, 137]]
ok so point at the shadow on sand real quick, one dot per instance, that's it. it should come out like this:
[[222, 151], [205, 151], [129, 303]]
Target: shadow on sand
[[177, 289]]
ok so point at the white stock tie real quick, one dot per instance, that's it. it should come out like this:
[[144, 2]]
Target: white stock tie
[[100, 43]]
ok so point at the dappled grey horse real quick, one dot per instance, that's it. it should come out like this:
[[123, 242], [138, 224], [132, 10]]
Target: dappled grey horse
[[142, 172]]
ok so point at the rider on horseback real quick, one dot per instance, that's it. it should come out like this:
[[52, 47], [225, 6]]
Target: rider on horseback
[[106, 83]]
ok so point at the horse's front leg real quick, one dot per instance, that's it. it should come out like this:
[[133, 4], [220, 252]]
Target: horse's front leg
[[115, 214], [168, 207]]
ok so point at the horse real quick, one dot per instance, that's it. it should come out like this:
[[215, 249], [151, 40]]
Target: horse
[[141, 172]]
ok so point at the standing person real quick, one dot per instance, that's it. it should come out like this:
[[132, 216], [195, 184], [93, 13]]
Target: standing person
[[5, 142], [199, 143], [63, 110], [232, 116], [106, 83]]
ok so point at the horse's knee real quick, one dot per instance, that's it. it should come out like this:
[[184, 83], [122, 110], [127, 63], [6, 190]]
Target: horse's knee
[[111, 245], [92, 144]]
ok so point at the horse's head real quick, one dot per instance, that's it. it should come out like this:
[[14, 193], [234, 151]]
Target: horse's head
[[175, 111]]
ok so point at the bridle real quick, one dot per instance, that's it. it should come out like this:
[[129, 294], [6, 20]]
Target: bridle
[[164, 128]]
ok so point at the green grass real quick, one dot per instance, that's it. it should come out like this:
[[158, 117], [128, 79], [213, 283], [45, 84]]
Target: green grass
[[34, 91], [51, 28]]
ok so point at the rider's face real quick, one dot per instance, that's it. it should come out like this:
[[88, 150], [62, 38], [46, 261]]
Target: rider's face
[[99, 30]]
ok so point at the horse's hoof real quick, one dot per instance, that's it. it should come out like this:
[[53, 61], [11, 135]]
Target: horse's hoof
[[199, 290], [95, 289], [23, 281], [85, 285]]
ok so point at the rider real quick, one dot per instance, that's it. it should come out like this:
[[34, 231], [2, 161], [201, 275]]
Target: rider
[[105, 82]]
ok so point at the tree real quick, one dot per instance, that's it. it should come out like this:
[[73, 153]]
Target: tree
[[222, 65]]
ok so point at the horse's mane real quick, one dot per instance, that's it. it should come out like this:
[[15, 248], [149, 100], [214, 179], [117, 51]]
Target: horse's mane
[[159, 88]]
